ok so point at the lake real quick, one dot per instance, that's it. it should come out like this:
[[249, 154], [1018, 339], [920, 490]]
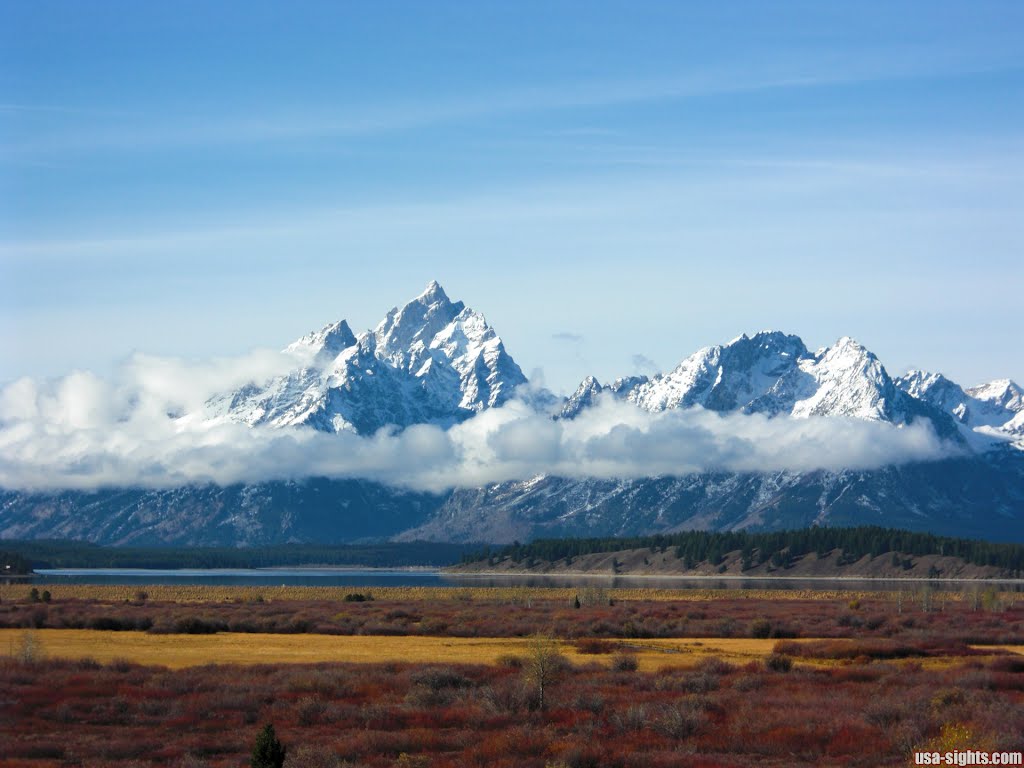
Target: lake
[[430, 577]]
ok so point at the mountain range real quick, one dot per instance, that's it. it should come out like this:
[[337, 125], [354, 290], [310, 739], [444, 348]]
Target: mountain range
[[435, 361]]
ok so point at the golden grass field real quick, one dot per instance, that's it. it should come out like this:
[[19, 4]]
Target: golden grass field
[[177, 651], [208, 593]]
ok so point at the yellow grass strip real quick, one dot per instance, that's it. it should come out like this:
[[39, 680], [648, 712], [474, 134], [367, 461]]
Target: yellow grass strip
[[178, 651]]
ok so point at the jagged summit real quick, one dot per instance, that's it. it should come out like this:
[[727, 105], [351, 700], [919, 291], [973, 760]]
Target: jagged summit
[[433, 292], [723, 378], [327, 343], [430, 361], [767, 334], [583, 397], [405, 332], [849, 380], [989, 409], [937, 390], [1002, 393], [773, 373], [434, 360]]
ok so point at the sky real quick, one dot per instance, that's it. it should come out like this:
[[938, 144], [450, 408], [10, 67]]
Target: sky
[[613, 184]]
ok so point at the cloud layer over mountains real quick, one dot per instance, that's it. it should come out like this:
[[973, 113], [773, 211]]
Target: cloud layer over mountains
[[146, 428]]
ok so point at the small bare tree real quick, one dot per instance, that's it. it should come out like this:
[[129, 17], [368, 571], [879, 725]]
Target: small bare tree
[[972, 597], [991, 600], [927, 597], [593, 596], [544, 665], [30, 650]]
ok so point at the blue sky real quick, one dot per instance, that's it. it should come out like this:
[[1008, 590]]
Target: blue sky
[[613, 184]]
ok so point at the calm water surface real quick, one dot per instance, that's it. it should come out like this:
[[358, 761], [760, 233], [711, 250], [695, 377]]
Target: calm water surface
[[379, 577]]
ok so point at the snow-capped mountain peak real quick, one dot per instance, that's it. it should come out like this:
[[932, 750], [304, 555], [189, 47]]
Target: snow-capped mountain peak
[[430, 361], [1001, 393], [848, 380], [437, 361], [724, 378], [992, 409], [773, 373], [405, 333], [935, 389], [916, 382], [434, 360], [325, 344], [583, 397]]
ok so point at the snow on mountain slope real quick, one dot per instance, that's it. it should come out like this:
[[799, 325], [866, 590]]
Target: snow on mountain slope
[[1000, 395], [324, 345], [850, 381], [773, 373], [966, 496], [993, 410], [937, 390], [437, 361], [724, 378], [430, 361], [583, 397]]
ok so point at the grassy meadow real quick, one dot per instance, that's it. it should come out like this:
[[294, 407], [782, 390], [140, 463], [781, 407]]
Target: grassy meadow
[[185, 677]]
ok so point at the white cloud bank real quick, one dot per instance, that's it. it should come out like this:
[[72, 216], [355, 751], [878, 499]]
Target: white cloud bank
[[84, 432]]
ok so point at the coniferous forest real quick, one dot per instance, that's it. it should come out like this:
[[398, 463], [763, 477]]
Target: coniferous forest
[[778, 546]]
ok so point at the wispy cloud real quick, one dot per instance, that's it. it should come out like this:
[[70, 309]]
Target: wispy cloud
[[572, 338], [711, 186], [44, 109], [644, 364], [153, 130]]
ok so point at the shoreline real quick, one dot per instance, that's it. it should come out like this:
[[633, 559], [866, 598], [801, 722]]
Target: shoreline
[[73, 570], [427, 569], [725, 577]]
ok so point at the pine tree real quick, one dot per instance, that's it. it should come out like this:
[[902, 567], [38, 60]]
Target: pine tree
[[268, 752]]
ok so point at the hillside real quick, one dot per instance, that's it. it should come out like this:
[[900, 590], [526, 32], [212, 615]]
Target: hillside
[[863, 552], [649, 562]]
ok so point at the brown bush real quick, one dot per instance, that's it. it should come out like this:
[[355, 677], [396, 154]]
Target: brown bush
[[594, 645], [625, 662], [779, 662]]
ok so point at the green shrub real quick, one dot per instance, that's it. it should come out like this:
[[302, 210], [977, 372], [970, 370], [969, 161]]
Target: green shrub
[[268, 751]]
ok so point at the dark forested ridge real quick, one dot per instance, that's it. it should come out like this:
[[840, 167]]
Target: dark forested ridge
[[78, 554], [969, 496], [13, 564], [778, 547]]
